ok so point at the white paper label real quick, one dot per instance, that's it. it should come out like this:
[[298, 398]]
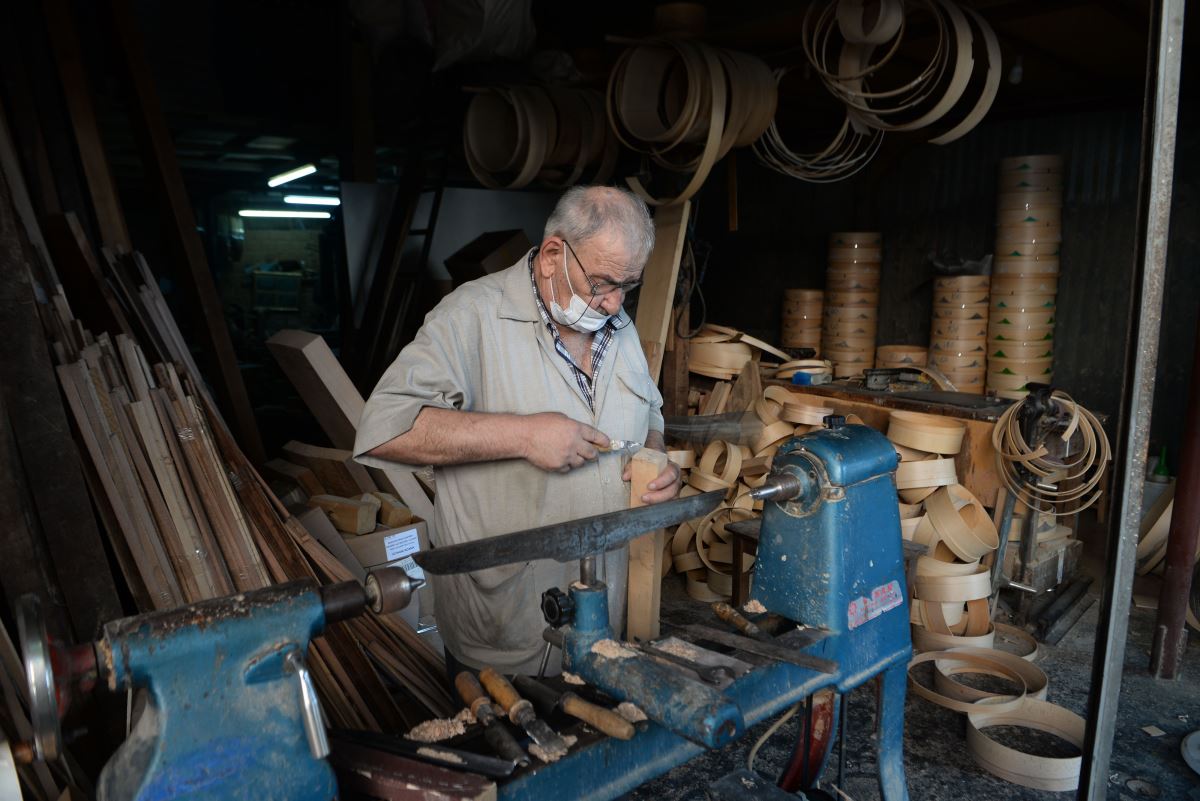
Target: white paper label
[[399, 548]]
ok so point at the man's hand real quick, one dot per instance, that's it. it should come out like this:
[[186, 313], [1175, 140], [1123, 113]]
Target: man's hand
[[665, 485], [555, 442]]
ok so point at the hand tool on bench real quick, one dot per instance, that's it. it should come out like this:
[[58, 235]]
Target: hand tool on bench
[[711, 674], [771, 650], [498, 737], [735, 618], [520, 711], [433, 753], [547, 699], [230, 697]]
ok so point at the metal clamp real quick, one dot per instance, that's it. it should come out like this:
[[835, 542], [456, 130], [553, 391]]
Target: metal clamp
[[310, 705]]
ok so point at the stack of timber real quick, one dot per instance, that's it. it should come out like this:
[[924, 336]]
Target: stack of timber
[[190, 519]]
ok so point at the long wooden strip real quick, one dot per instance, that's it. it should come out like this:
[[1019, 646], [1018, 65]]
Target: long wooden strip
[[153, 565], [201, 545]]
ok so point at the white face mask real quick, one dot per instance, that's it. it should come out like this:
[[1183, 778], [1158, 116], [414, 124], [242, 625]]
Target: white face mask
[[578, 315]]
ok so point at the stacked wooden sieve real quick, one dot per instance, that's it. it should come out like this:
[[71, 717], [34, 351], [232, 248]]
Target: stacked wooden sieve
[[958, 335], [801, 326], [1025, 273], [851, 301]]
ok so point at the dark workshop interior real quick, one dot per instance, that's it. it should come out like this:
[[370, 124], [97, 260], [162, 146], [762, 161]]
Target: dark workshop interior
[[920, 324]]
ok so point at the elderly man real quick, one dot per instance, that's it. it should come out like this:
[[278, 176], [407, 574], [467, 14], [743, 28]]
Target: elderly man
[[508, 389]]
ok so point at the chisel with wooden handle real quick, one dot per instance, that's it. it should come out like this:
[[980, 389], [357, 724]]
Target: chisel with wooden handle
[[735, 618], [599, 718], [520, 712], [498, 737]]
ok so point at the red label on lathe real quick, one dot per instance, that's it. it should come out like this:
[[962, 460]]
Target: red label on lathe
[[882, 599]]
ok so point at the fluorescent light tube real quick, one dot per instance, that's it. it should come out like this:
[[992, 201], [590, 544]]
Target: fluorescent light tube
[[291, 175], [308, 215], [312, 200]]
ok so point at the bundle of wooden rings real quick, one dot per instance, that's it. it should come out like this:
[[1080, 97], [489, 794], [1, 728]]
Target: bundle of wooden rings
[[685, 104], [851, 309], [899, 356], [949, 610], [702, 548], [1025, 274], [515, 135], [721, 352], [801, 319], [958, 333]]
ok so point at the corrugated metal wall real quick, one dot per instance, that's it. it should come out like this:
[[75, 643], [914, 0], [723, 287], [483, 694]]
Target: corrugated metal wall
[[930, 199]]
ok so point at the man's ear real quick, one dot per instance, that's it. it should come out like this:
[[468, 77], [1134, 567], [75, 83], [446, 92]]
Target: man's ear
[[550, 256]]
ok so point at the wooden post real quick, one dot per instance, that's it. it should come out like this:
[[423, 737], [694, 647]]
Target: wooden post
[[645, 553], [657, 296]]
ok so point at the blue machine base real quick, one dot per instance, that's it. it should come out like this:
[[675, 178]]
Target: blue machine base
[[609, 768]]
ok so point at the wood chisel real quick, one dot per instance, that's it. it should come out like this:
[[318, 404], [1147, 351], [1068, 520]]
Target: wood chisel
[[626, 446], [548, 699], [434, 754], [498, 737], [735, 618], [520, 711]]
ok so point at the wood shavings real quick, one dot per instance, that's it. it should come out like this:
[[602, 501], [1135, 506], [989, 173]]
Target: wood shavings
[[445, 756], [676, 648], [611, 649], [754, 607], [438, 729], [630, 712], [571, 678], [1153, 731], [547, 757]]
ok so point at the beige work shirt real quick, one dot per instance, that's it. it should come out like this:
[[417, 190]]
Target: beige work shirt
[[485, 348]]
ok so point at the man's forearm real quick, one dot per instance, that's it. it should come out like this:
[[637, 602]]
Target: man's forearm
[[655, 441], [449, 436]]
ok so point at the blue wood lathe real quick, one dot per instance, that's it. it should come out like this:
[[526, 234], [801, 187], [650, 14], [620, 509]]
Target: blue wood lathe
[[829, 558]]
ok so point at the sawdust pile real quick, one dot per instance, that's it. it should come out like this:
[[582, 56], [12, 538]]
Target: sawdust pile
[[630, 712], [611, 649], [438, 729], [542, 754], [754, 607], [436, 753], [677, 648], [571, 678]]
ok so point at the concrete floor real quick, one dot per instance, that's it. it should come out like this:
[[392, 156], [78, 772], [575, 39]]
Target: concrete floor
[[936, 759]]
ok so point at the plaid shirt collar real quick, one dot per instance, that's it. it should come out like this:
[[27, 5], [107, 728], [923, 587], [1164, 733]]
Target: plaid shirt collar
[[600, 342]]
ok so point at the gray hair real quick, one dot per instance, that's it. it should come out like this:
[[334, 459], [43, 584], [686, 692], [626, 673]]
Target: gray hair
[[585, 211]]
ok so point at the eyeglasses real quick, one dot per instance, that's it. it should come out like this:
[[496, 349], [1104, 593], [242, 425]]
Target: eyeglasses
[[603, 287]]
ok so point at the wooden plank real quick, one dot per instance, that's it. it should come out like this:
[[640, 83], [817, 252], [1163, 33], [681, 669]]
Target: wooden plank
[[72, 73], [657, 295], [337, 405], [79, 270], [48, 454], [290, 471], [318, 526], [645, 553], [166, 183], [321, 383], [335, 468], [747, 389], [348, 515]]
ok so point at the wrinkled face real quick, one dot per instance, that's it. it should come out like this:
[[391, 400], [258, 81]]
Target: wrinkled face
[[598, 269]]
